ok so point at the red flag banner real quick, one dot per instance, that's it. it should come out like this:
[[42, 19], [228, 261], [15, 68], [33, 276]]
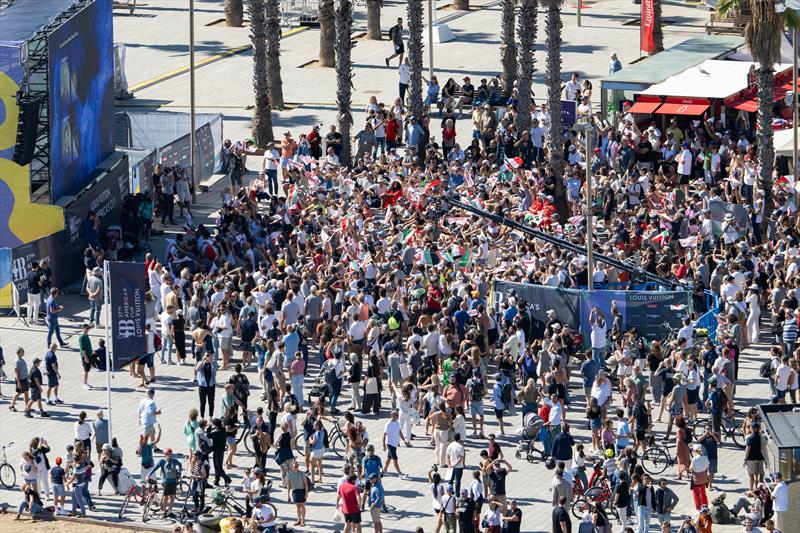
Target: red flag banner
[[646, 33]]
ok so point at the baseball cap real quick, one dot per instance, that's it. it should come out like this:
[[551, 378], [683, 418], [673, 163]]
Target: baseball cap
[[168, 451]]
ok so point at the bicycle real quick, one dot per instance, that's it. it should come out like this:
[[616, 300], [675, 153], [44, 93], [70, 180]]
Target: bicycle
[[729, 427], [8, 477], [143, 495], [336, 441], [656, 457], [598, 495], [224, 504]]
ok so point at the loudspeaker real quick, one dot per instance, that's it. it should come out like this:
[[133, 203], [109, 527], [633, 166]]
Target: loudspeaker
[[27, 128]]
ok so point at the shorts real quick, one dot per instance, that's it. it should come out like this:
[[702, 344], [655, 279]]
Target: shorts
[[692, 396], [664, 518], [299, 496], [22, 386], [684, 179], [86, 366], [476, 408], [247, 347], [230, 440], [375, 514], [354, 457], [676, 410], [52, 380], [498, 413], [595, 423], [352, 518], [170, 489], [225, 343], [58, 491], [149, 430], [391, 451], [641, 435], [399, 48], [148, 361], [36, 394], [755, 468], [318, 454]]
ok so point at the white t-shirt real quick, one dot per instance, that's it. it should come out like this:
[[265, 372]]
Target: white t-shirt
[[392, 431], [572, 88], [685, 163], [598, 336], [405, 73], [782, 374], [456, 453]]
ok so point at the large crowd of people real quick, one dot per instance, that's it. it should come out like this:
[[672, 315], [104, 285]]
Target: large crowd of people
[[322, 295]]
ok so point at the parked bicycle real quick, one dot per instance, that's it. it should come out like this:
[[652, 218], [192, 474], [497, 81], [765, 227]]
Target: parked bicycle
[[8, 477], [223, 503], [145, 495], [656, 458]]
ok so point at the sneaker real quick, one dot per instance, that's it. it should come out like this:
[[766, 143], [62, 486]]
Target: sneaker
[[28, 414], [50, 402], [87, 387], [64, 345], [59, 400], [44, 414]]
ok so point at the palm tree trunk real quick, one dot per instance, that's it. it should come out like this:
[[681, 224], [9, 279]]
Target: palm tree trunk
[[414, 14], [658, 28], [262, 113], [765, 135], [461, 5], [555, 145], [508, 45], [526, 33], [273, 29], [234, 13], [327, 34], [374, 19], [344, 76]]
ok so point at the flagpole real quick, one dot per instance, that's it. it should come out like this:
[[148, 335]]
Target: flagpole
[[107, 300]]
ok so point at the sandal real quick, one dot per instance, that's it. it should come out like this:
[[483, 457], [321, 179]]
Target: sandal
[[12, 408]]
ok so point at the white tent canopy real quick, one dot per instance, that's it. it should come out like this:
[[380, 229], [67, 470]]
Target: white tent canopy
[[710, 79], [783, 141]]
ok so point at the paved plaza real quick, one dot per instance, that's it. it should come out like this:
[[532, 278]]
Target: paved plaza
[[156, 37]]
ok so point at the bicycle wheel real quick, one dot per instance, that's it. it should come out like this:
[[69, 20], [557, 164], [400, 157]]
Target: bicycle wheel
[[248, 444], [300, 445], [734, 431], [7, 475], [125, 503], [338, 446], [655, 460], [146, 506], [184, 489], [580, 506]]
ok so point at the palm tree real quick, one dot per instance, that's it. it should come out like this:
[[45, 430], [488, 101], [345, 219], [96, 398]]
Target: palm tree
[[508, 46], [762, 34], [555, 146], [234, 13], [658, 28], [273, 30], [374, 19], [526, 32], [461, 5], [262, 113], [327, 33], [414, 15], [344, 75]]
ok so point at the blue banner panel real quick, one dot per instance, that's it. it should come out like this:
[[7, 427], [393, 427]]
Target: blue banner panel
[[127, 285]]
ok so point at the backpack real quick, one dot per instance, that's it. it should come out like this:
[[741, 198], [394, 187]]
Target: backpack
[[687, 435], [507, 394], [765, 370], [157, 341], [330, 372], [476, 391]]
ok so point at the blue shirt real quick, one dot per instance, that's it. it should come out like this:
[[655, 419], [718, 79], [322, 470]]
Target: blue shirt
[[371, 465], [57, 475], [413, 134], [376, 495], [623, 434], [589, 371], [52, 308], [497, 395], [462, 317], [292, 344]]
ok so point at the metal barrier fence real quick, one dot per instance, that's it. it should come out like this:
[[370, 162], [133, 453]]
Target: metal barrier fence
[[299, 12]]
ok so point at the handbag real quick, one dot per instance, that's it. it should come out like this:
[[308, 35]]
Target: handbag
[[405, 371]]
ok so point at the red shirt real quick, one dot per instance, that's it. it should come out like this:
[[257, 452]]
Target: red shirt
[[349, 498], [391, 130]]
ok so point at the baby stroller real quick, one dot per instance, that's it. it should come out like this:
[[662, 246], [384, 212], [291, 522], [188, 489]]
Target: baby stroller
[[319, 389], [531, 434]]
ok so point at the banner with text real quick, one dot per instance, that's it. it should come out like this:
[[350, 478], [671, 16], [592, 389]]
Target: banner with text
[[540, 299], [127, 285], [647, 43]]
